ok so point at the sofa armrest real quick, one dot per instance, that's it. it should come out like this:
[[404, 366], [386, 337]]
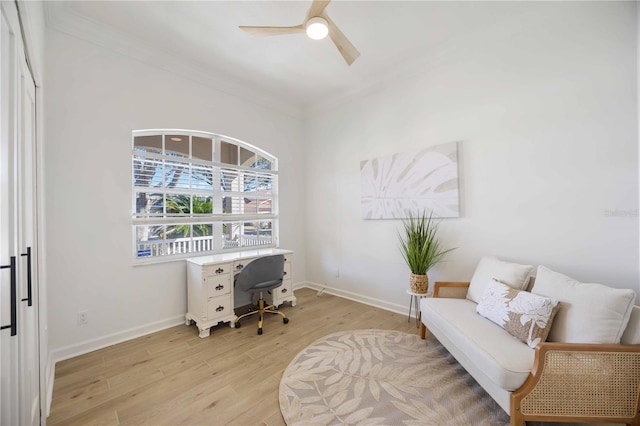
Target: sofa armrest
[[573, 382], [460, 286]]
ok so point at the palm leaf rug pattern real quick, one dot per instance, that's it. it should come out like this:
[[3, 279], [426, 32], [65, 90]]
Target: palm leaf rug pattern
[[379, 377]]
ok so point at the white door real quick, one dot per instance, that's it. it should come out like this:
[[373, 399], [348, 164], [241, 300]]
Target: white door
[[19, 351], [9, 393], [27, 278]]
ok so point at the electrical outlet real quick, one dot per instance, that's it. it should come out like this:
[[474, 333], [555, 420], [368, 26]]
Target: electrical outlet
[[83, 317], [337, 273]]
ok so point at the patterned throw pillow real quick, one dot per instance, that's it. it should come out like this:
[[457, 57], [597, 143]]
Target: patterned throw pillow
[[524, 315]]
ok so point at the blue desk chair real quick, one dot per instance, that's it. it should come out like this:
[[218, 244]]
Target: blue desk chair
[[263, 274]]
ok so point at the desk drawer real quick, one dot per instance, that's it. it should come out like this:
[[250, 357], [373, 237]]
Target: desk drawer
[[239, 264], [284, 290], [287, 271], [221, 269], [217, 285], [218, 307]]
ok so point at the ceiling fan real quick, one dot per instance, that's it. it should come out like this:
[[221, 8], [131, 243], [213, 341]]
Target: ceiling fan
[[317, 25]]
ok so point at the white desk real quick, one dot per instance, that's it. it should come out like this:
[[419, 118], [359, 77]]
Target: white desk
[[210, 295]]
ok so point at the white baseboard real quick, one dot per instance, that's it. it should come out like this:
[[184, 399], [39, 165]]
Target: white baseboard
[[91, 345], [382, 304]]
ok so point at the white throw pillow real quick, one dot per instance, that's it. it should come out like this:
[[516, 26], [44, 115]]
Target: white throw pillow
[[512, 274], [589, 313], [524, 315]]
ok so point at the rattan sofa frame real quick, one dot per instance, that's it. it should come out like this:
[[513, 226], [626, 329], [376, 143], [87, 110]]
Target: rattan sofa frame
[[572, 382]]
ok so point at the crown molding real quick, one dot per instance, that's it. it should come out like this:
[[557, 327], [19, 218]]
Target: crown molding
[[60, 17]]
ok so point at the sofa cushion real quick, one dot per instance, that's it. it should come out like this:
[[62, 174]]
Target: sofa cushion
[[589, 313], [512, 274], [631, 335], [494, 352], [524, 315]]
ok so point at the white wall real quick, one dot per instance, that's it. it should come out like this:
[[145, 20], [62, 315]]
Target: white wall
[[546, 110], [96, 98]]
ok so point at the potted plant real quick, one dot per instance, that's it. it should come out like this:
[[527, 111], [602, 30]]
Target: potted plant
[[421, 249]]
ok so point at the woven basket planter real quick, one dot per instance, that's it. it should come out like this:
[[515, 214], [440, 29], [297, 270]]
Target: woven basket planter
[[419, 283]]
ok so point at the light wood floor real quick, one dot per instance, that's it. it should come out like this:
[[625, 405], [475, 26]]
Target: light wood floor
[[175, 378]]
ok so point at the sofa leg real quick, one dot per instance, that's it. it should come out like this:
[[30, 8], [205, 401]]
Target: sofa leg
[[517, 419], [423, 331]]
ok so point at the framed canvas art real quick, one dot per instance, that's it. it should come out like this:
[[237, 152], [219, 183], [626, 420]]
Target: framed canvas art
[[424, 180]]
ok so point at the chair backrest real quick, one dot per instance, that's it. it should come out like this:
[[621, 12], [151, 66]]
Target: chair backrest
[[264, 273]]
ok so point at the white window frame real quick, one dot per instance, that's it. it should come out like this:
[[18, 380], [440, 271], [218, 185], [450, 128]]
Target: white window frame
[[189, 247]]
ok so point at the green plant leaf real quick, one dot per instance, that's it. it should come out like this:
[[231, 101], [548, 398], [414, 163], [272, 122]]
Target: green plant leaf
[[419, 244]]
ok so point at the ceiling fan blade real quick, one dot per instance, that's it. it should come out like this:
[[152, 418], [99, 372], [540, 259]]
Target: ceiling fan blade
[[273, 31], [317, 8], [347, 50]]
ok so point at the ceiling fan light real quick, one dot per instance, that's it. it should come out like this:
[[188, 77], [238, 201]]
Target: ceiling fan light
[[317, 28]]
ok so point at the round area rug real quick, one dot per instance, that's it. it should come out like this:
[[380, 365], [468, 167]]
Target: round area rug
[[378, 377]]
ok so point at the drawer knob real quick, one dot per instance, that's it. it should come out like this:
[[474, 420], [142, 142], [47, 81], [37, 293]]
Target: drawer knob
[[220, 308], [219, 287], [284, 290], [219, 271], [285, 273], [240, 266]]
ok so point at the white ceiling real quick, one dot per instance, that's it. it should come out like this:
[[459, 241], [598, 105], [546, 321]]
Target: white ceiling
[[203, 37]]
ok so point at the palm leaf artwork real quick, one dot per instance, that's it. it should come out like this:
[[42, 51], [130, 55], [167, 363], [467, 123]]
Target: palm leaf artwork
[[419, 245]]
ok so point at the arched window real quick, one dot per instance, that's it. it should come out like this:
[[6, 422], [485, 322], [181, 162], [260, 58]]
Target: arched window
[[198, 192]]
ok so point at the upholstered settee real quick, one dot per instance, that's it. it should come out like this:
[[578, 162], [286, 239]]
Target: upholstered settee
[[576, 358]]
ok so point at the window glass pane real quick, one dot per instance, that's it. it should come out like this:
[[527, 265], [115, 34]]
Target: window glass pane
[[149, 241], [250, 205], [176, 175], [237, 205], [202, 239], [177, 239], [229, 180], [262, 163], [227, 205], [228, 153], [176, 145], [247, 158], [256, 205], [231, 235], [202, 177], [178, 233], [147, 173], [148, 144], [247, 205], [202, 148], [265, 231], [202, 205], [247, 234], [148, 203], [257, 182], [178, 204]]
